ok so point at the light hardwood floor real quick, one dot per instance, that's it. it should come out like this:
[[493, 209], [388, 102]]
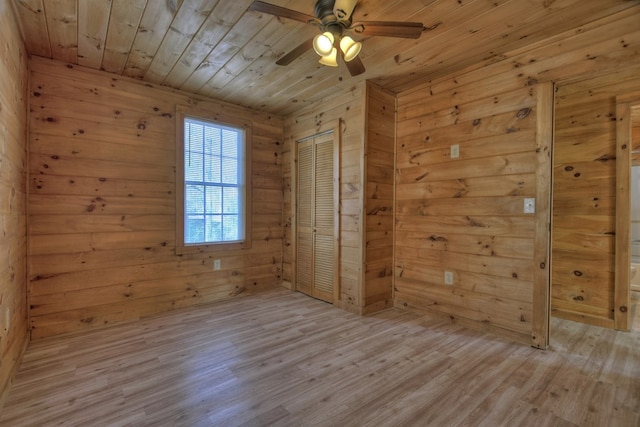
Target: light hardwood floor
[[281, 358]]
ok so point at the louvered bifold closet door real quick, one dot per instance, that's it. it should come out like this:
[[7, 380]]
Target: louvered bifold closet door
[[316, 240], [304, 218], [324, 217]]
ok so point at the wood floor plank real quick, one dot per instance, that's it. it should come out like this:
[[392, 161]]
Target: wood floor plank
[[283, 359]]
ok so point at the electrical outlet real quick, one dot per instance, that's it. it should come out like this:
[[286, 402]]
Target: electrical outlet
[[216, 264], [455, 151], [448, 278], [529, 205]]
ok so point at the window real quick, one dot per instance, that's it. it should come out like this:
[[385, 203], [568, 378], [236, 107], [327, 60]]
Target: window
[[212, 189]]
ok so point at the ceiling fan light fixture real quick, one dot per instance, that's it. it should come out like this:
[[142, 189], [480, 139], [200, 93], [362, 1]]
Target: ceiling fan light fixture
[[323, 43], [330, 60], [334, 18], [350, 48], [343, 9]]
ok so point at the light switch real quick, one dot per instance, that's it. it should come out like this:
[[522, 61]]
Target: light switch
[[448, 278], [530, 205], [455, 151]]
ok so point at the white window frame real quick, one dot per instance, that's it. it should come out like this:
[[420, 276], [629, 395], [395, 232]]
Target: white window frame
[[186, 113]]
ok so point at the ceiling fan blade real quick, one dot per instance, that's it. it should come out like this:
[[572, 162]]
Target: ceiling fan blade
[[271, 9], [407, 30], [295, 53], [355, 66], [343, 9]]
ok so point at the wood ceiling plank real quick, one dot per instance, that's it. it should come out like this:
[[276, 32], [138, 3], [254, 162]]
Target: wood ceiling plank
[[93, 21], [314, 80], [231, 56], [333, 81], [498, 31], [34, 24], [450, 21], [226, 49], [256, 76], [277, 79], [184, 27], [430, 13], [244, 62], [62, 22], [280, 78], [302, 6], [155, 22], [233, 41], [123, 23], [528, 29], [384, 49], [312, 85], [271, 81], [388, 67], [221, 20], [449, 25], [381, 10], [526, 34], [534, 54]]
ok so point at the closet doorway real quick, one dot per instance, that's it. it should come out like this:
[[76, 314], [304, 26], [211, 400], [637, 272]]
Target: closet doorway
[[317, 220]]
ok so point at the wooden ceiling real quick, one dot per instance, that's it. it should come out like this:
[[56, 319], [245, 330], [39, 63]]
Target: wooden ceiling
[[219, 49]]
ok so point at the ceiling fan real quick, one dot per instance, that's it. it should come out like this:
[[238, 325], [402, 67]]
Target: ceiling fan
[[334, 19]]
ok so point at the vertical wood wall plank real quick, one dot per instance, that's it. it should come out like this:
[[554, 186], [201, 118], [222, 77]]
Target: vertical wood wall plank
[[542, 239], [62, 22], [380, 126], [184, 27], [14, 334], [32, 17], [92, 31], [156, 19], [214, 29], [125, 18], [623, 217]]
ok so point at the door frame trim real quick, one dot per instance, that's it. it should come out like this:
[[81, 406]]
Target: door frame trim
[[541, 298], [622, 276]]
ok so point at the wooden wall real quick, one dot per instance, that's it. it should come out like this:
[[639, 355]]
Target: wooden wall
[[348, 109], [465, 215], [367, 117], [13, 189], [102, 203], [584, 213], [379, 158]]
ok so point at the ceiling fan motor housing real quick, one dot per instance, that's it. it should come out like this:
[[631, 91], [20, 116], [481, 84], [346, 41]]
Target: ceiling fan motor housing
[[324, 12]]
